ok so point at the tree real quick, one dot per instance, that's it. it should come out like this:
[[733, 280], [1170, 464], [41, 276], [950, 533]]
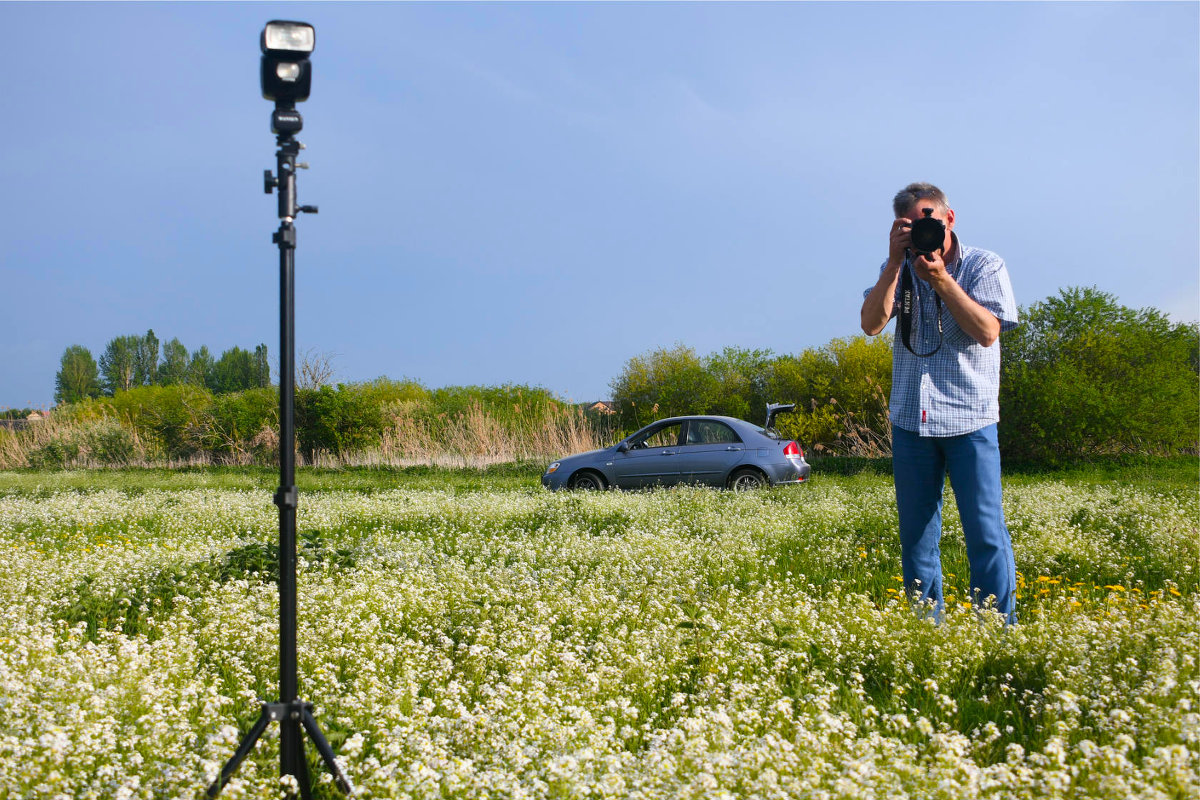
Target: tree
[[234, 371], [740, 378], [663, 383], [199, 371], [78, 376], [118, 363], [145, 360], [314, 370], [1084, 375], [173, 369], [262, 367]]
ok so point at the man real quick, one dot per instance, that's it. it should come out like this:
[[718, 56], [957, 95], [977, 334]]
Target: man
[[945, 397]]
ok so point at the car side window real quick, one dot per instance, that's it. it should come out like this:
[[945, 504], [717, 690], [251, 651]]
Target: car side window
[[707, 431], [663, 437]]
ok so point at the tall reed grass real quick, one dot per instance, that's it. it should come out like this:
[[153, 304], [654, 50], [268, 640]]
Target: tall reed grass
[[474, 437]]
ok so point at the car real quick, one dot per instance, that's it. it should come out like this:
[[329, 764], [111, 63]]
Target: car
[[710, 450]]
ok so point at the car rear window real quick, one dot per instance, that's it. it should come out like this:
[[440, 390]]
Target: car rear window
[[770, 433]]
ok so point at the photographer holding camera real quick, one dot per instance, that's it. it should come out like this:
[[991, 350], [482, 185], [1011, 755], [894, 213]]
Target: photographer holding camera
[[954, 301]]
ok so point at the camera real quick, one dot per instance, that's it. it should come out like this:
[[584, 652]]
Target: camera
[[928, 234]]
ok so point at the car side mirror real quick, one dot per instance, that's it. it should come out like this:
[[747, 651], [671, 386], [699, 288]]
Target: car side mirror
[[623, 447]]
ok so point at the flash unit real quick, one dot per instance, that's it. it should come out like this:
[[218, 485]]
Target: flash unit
[[286, 71]]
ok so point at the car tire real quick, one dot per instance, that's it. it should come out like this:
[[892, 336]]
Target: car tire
[[587, 481], [747, 480]]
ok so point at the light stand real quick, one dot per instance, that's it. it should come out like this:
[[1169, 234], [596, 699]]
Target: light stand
[[294, 716]]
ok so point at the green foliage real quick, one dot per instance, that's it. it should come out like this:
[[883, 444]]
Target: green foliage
[[118, 363], [338, 420], [663, 383], [741, 383], [171, 418], [110, 443], [200, 368], [238, 421], [1084, 375], [129, 361], [173, 368], [237, 370], [145, 360], [57, 453], [829, 384], [845, 377], [78, 376]]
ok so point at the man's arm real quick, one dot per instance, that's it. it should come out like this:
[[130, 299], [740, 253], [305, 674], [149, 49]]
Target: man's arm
[[976, 321], [877, 308]]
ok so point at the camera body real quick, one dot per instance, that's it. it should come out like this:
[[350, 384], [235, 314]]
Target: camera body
[[928, 234]]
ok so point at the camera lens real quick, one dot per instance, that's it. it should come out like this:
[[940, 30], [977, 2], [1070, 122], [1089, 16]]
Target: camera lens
[[928, 234]]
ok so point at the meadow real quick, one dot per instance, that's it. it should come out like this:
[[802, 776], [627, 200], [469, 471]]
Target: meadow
[[465, 634]]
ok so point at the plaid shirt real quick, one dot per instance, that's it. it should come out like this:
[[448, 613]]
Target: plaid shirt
[[957, 389]]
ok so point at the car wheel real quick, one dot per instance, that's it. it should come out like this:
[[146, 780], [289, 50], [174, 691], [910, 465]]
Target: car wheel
[[746, 480], [587, 481]]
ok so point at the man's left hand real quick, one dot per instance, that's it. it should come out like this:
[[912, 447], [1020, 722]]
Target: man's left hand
[[931, 269]]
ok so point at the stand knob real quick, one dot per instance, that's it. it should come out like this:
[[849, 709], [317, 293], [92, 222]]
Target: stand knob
[[269, 181]]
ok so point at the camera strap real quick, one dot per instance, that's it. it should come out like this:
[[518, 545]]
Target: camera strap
[[909, 297]]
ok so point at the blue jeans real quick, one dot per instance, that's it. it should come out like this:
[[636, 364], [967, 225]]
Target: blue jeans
[[920, 464]]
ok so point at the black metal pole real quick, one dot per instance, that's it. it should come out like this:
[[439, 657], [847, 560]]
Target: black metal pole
[[291, 747], [294, 716]]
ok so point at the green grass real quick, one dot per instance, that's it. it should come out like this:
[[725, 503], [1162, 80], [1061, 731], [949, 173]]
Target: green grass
[[362, 479], [1145, 472]]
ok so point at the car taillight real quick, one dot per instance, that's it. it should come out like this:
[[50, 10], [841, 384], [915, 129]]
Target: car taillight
[[793, 450]]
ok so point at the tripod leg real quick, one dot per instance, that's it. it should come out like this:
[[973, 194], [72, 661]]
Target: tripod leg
[[243, 750], [322, 744], [302, 772]]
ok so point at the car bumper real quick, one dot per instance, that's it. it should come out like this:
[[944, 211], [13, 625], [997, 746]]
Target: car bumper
[[794, 470], [555, 480]]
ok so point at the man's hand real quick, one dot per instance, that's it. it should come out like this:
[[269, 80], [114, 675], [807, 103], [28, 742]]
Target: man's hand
[[899, 241], [932, 270]]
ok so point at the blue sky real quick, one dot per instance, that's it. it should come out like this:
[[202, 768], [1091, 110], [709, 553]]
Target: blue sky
[[535, 193]]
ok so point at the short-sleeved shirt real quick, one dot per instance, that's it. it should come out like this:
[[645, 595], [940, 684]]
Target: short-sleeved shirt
[[957, 389]]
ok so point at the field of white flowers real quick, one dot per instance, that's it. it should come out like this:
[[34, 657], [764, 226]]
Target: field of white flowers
[[683, 643]]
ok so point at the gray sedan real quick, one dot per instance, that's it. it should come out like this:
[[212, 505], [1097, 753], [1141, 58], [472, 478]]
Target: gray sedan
[[715, 451]]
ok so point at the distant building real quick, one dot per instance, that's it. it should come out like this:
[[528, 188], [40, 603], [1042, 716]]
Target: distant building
[[603, 407]]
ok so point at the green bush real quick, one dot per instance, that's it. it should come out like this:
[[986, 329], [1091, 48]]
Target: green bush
[[173, 419], [236, 421], [1084, 376], [827, 384], [110, 443]]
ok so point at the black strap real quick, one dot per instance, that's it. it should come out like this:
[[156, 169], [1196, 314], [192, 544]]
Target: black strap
[[908, 298]]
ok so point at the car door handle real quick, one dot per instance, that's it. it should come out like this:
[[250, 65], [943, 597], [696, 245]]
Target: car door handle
[[668, 452], [731, 447]]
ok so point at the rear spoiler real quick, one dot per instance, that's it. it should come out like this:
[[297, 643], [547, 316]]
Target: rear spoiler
[[777, 408]]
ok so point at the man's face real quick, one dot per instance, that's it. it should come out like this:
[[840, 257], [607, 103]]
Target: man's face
[[946, 215]]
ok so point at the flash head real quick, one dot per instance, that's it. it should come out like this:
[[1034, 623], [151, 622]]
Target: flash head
[[282, 38]]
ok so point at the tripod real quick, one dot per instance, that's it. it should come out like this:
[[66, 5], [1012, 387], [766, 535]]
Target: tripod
[[291, 713]]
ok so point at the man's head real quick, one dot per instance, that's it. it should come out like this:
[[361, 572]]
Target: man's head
[[913, 200]]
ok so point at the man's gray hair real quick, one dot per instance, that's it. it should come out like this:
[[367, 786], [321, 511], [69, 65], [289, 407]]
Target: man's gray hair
[[910, 194]]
